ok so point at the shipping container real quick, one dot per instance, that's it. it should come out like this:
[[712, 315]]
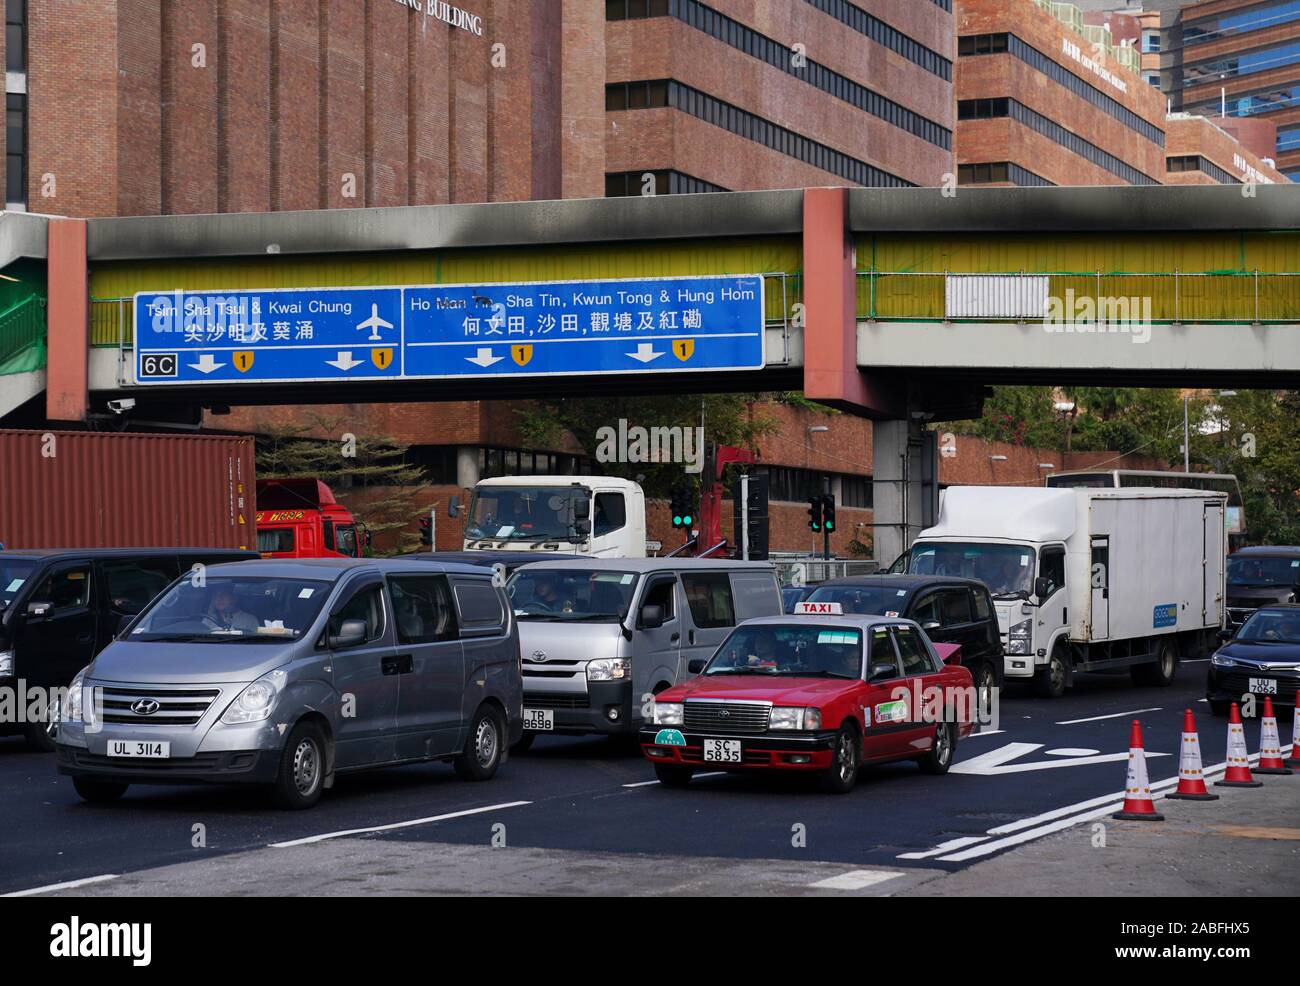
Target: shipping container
[[76, 489]]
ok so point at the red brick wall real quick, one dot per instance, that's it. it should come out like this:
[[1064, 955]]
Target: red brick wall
[[1197, 135]]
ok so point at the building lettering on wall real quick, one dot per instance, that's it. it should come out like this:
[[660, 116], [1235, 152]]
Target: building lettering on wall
[[448, 14], [1249, 171], [1092, 65]]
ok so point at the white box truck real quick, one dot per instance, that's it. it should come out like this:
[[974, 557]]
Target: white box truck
[[1087, 579], [576, 516]]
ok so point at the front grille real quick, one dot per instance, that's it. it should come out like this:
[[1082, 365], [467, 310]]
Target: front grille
[[1237, 682], [176, 706], [727, 717], [542, 700]]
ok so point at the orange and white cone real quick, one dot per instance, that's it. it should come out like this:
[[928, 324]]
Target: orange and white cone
[[1191, 779], [1238, 772], [1270, 747], [1295, 737], [1138, 804]]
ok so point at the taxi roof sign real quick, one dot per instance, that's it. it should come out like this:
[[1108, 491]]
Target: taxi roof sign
[[818, 609]]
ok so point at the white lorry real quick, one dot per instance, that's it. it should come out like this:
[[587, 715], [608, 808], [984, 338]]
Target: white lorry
[[1087, 579], [577, 516]]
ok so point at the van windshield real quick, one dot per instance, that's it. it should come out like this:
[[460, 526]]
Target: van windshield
[[1007, 569], [14, 574], [596, 596], [523, 513], [226, 608], [1262, 570]]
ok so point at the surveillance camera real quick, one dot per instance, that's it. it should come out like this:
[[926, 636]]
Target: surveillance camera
[[121, 406]]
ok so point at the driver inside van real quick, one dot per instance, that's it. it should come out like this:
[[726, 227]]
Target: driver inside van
[[547, 593], [225, 614]]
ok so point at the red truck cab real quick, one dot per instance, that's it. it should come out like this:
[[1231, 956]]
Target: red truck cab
[[298, 517]]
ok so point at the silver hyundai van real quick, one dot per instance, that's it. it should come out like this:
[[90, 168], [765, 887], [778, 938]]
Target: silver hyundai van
[[602, 635], [288, 672]]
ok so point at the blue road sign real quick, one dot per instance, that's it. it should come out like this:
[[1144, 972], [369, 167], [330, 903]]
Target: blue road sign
[[671, 324]]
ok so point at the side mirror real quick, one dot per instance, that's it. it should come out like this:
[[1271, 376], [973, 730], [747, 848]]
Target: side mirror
[[1226, 634], [1042, 587], [581, 508], [581, 528], [453, 507], [351, 633], [39, 608], [696, 666], [929, 625], [652, 617], [882, 672]]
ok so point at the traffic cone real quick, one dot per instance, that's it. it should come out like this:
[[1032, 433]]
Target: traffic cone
[[1138, 805], [1238, 772], [1270, 747], [1191, 780], [1295, 737]]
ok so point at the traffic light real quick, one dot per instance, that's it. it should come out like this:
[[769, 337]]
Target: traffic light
[[683, 506], [828, 512], [815, 512], [426, 532]]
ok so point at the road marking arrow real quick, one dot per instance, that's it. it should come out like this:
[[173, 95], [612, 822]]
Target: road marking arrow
[[207, 363], [344, 361], [997, 762], [645, 353], [484, 358]]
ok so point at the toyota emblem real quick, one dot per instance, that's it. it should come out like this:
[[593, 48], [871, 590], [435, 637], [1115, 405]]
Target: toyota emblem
[[724, 714], [539, 656], [144, 706]]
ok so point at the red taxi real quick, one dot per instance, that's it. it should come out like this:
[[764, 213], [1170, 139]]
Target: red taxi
[[815, 691]]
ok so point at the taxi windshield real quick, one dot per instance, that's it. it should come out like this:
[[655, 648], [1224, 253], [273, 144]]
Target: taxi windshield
[[803, 650], [218, 609]]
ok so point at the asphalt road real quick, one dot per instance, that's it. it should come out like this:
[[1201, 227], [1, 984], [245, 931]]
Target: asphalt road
[[1035, 775]]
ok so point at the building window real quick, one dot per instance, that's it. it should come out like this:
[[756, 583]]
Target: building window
[[881, 33], [631, 10], [662, 182], [1150, 42], [16, 36], [15, 149], [1151, 78], [855, 491]]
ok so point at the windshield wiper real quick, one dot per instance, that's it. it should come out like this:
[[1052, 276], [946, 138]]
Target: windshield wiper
[[741, 671], [815, 674], [1018, 594]]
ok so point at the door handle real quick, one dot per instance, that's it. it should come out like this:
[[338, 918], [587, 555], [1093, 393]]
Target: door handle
[[405, 663], [389, 665], [674, 638], [690, 636]]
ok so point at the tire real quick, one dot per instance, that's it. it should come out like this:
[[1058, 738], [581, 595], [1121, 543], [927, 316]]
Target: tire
[[482, 754], [98, 792], [300, 779], [938, 758], [1049, 680], [524, 744], [843, 773], [1159, 674], [986, 682], [1219, 709], [673, 775]]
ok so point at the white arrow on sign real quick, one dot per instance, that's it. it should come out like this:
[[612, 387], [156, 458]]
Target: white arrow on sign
[[645, 353], [207, 363], [998, 761], [484, 358], [343, 361]]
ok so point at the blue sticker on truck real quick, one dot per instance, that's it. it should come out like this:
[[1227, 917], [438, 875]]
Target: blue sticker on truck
[[1165, 615]]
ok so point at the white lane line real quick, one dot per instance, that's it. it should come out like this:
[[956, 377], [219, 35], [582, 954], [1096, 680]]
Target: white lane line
[[943, 847], [1029, 834], [991, 732], [855, 879], [50, 888], [1113, 715], [711, 773], [397, 825]]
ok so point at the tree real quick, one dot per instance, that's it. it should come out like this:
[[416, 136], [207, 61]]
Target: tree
[[1258, 444]]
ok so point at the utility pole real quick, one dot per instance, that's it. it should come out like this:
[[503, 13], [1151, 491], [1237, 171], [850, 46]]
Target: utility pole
[[744, 516]]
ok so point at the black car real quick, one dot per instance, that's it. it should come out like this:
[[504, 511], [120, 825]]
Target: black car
[[792, 595], [949, 610], [1262, 658], [1261, 576], [60, 607]]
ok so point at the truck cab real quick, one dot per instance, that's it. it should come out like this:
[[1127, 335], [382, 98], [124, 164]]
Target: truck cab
[[574, 516], [298, 517]]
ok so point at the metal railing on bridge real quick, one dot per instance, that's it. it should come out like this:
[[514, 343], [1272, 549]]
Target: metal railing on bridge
[[22, 336], [1078, 297]]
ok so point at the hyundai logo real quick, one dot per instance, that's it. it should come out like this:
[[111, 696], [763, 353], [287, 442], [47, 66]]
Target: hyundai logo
[[144, 706], [539, 656]]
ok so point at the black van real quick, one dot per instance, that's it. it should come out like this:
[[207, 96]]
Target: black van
[[950, 610], [59, 607]]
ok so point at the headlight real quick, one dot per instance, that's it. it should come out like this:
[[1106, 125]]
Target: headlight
[[1223, 661], [1018, 638], [254, 702], [791, 717], [609, 669], [70, 708], [668, 713], [6, 662]]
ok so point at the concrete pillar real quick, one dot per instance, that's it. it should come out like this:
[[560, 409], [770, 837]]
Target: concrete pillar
[[67, 375], [904, 490], [467, 475]]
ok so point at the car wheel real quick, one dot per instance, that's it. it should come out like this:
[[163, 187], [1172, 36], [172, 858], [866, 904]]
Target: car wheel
[[843, 773], [673, 775], [482, 754], [1161, 673], [938, 758], [98, 792], [1049, 680], [986, 683], [1219, 709], [301, 778], [524, 743]]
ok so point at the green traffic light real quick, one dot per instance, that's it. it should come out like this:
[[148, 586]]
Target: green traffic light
[[830, 525], [686, 521]]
